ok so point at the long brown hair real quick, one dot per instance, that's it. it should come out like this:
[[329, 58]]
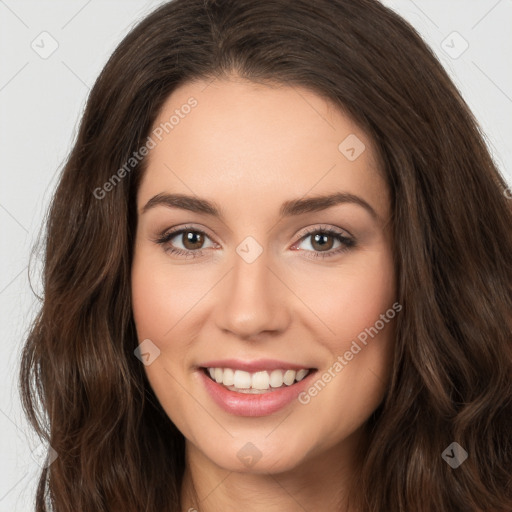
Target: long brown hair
[[86, 393]]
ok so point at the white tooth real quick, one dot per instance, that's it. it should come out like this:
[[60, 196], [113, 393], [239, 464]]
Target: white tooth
[[218, 375], [242, 380], [301, 374], [249, 391], [289, 377], [260, 380], [211, 371], [276, 378], [228, 377]]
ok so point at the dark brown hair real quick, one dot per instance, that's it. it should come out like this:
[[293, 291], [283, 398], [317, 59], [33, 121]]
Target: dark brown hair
[[86, 393]]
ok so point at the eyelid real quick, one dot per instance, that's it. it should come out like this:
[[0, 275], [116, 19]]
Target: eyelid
[[175, 230], [324, 228]]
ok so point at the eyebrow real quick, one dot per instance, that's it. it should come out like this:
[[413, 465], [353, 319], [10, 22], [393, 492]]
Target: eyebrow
[[288, 208]]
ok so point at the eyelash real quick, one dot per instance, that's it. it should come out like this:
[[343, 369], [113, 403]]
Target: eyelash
[[347, 243]]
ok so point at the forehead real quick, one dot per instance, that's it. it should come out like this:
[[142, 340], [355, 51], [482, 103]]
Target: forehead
[[247, 144]]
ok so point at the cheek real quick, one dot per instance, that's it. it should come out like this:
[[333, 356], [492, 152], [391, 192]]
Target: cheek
[[164, 300], [358, 329], [352, 297], [365, 296], [161, 298]]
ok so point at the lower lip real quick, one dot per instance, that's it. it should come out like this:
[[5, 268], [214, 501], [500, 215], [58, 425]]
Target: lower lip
[[244, 404]]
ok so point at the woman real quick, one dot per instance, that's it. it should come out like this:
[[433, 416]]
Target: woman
[[277, 276]]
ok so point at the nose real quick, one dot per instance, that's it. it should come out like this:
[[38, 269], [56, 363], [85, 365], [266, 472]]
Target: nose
[[253, 300]]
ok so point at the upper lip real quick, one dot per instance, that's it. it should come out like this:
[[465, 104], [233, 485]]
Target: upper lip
[[256, 365]]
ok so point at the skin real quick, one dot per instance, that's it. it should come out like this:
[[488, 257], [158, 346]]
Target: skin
[[250, 147]]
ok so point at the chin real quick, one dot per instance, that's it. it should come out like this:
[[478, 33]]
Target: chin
[[257, 455]]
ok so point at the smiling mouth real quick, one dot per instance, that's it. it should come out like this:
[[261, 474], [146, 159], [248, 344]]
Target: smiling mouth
[[260, 382]]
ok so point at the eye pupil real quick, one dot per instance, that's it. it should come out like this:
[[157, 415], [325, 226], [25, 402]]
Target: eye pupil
[[192, 240], [321, 240]]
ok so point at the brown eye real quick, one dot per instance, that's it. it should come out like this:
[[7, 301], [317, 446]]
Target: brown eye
[[188, 242], [322, 242], [325, 242], [192, 240]]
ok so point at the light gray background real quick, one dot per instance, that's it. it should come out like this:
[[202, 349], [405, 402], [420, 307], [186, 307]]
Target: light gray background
[[41, 101]]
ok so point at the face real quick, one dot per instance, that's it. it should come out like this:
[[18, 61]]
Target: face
[[266, 306]]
